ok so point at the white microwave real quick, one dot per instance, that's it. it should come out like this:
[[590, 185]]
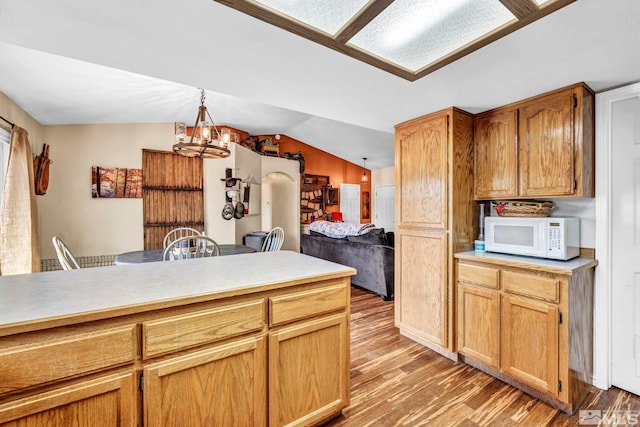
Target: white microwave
[[549, 237]]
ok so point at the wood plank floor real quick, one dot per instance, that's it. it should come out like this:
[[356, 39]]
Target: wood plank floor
[[397, 382]]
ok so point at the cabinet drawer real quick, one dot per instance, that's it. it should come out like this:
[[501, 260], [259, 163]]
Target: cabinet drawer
[[484, 276], [544, 288], [300, 305], [65, 357], [189, 330]]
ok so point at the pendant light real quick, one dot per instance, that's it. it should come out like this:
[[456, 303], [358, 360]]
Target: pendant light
[[365, 178], [206, 141]]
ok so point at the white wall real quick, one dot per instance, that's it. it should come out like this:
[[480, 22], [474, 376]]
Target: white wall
[[94, 226], [110, 226]]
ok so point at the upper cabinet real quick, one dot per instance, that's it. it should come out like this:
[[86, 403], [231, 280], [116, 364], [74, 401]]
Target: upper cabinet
[[540, 147], [496, 154]]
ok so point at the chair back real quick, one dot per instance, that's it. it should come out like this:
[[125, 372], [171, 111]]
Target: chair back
[[179, 232], [274, 240], [191, 247], [65, 257]]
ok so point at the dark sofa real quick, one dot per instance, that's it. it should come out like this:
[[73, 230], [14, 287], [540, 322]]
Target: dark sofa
[[372, 254]]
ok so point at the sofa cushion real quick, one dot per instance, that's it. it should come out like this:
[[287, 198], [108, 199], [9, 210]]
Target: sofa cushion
[[318, 234], [375, 236]]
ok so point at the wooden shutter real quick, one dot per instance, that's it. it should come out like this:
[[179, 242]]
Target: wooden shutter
[[172, 194]]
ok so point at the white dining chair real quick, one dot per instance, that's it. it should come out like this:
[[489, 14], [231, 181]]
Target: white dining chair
[[179, 232], [65, 257], [191, 247], [274, 240]]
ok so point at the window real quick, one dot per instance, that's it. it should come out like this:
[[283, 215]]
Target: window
[[5, 139]]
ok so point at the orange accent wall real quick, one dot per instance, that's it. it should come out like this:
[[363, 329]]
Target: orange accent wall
[[340, 171]]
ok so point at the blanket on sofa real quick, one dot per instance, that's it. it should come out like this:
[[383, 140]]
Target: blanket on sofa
[[338, 230]]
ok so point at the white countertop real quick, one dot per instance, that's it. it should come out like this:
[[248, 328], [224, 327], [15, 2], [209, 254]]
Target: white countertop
[[29, 298], [552, 266]]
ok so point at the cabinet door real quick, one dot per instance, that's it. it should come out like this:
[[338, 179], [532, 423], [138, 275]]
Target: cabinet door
[[309, 371], [530, 342], [421, 292], [106, 401], [222, 386], [421, 159], [547, 146], [479, 324], [496, 155]]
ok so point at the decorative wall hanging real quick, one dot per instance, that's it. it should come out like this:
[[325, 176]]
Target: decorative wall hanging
[[116, 183], [41, 170]]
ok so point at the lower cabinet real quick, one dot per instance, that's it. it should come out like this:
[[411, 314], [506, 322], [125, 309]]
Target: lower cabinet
[[529, 335], [308, 371], [106, 401], [278, 357], [222, 386], [479, 324], [530, 327]]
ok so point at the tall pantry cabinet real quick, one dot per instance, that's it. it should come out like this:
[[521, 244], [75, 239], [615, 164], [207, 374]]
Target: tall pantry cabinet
[[435, 218]]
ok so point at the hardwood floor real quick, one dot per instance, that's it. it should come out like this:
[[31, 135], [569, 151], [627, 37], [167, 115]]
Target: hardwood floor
[[397, 382]]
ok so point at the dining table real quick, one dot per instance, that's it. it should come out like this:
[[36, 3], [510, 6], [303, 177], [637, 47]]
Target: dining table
[[153, 255]]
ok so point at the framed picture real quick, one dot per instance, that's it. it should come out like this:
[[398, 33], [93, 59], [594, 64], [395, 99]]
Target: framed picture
[[365, 205], [116, 183]]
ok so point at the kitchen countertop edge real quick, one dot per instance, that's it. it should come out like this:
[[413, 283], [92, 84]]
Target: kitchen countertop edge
[[569, 267]]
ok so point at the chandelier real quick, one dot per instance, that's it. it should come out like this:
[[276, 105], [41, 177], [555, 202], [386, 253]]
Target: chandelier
[[206, 140]]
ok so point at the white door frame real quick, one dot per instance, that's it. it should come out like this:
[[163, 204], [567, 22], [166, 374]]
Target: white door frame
[[602, 296]]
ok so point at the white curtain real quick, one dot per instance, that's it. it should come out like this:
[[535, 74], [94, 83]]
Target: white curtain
[[19, 249]]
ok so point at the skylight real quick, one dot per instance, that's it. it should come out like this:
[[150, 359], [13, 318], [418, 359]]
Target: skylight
[[409, 38]]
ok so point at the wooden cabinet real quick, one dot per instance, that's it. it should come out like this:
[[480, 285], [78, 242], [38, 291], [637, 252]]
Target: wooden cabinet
[[221, 386], [530, 342], [496, 154], [528, 325], [436, 217], [308, 371], [479, 323], [308, 355], [277, 356], [539, 147], [101, 402]]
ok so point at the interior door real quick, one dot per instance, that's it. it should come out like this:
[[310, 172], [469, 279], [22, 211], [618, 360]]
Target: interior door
[[350, 203], [625, 244], [385, 215]]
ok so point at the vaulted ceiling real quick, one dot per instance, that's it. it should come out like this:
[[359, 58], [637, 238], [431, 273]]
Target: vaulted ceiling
[[126, 61]]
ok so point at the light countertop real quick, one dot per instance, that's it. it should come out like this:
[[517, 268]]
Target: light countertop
[[560, 267], [45, 297]]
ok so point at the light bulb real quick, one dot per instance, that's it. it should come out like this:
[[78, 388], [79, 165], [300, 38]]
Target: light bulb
[[180, 131], [205, 133], [225, 137]]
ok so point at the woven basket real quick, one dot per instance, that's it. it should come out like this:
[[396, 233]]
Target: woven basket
[[523, 208]]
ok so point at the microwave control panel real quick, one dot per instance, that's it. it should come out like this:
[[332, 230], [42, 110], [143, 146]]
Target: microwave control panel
[[554, 238]]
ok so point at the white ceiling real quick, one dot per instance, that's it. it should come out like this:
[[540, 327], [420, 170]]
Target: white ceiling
[[129, 61]]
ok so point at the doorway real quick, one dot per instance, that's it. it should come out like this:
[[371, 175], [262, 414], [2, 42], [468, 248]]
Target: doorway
[[625, 244], [385, 215], [350, 203], [279, 193], [617, 290]]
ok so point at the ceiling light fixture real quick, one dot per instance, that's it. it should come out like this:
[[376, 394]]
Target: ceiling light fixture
[[206, 141], [365, 178]]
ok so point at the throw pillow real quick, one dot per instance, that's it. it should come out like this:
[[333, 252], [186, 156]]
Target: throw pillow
[[376, 236]]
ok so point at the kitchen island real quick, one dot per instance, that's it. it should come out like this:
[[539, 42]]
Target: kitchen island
[[251, 339]]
